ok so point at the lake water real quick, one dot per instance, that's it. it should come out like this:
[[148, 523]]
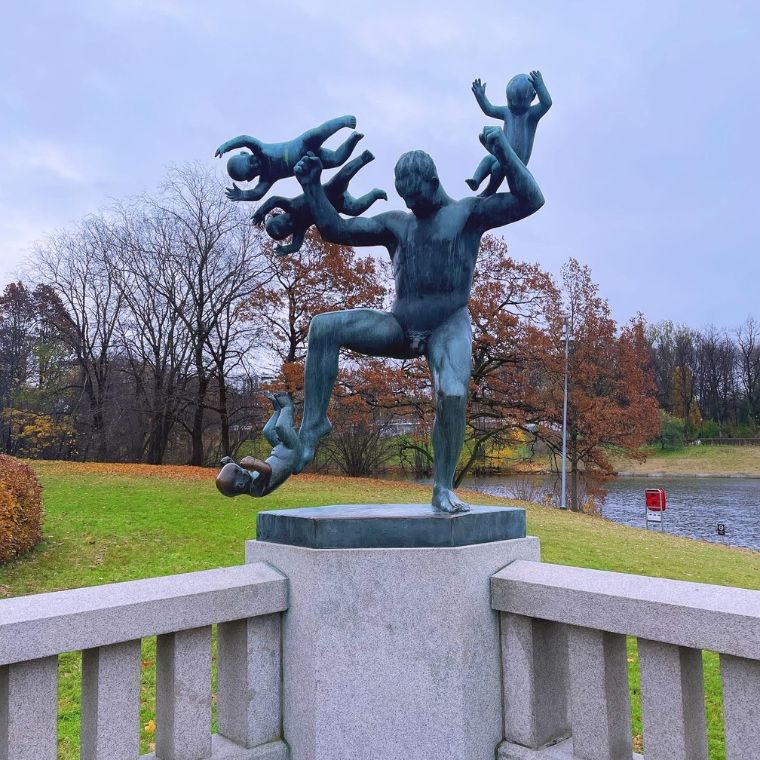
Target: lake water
[[695, 506]]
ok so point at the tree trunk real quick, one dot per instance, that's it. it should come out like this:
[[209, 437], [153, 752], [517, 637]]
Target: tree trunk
[[224, 417], [196, 435]]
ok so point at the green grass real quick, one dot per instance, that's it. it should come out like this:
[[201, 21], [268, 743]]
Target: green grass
[[106, 523], [692, 460]]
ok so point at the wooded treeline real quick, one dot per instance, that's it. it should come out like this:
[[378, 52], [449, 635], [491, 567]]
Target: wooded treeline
[[708, 380], [148, 332]]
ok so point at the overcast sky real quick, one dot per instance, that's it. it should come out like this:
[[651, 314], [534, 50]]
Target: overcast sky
[[648, 159]]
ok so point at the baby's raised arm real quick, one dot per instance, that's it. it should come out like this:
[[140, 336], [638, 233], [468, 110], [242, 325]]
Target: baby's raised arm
[[479, 91], [544, 99], [236, 193], [241, 141]]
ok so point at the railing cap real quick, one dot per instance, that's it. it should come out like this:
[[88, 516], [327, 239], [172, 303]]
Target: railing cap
[[719, 618], [44, 624]]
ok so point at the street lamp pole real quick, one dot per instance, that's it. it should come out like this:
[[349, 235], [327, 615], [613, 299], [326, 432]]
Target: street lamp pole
[[563, 502]]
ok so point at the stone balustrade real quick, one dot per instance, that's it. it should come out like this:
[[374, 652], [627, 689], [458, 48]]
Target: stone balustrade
[[565, 668], [564, 661], [107, 624]]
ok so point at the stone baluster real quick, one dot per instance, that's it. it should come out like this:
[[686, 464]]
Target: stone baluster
[[534, 663], [111, 702], [183, 695], [741, 706], [249, 680], [599, 700], [672, 702], [29, 710]]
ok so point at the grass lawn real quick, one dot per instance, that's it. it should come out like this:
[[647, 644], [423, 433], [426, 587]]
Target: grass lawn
[[106, 523], [694, 460]]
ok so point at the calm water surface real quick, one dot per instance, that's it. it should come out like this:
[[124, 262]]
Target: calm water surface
[[695, 505]]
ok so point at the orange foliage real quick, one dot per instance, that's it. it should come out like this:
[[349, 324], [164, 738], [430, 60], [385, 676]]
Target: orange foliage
[[163, 471], [20, 508]]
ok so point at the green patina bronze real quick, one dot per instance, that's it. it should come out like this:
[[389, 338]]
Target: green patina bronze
[[433, 248]]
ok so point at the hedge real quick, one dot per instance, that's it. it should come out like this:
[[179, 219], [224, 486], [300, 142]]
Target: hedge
[[20, 508]]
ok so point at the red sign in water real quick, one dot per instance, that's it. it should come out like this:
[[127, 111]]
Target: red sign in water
[[655, 499]]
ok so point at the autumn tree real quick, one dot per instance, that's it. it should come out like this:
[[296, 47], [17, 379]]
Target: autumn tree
[[611, 390], [509, 299], [32, 373]]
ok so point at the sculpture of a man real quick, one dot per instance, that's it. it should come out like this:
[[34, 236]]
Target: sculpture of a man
[[433, 250]]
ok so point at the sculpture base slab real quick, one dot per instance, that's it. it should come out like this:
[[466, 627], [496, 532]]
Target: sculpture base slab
[[353, 526], [391, 653]]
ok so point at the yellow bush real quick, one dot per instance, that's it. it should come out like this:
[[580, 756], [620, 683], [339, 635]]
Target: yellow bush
[[20, 508]]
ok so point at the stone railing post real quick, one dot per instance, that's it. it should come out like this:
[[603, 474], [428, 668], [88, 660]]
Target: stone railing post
[[599, 700], [29, 710], [249, 680], [534, 665], [672, 701], [183, 695], [107, 624], [111, 702], [741, 706]]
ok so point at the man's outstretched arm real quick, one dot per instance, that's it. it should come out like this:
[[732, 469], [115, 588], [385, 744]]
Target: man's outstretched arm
[[524, 198], [332, 227]]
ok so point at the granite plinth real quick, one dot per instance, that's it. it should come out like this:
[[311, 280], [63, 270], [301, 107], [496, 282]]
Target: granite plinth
[[391, 653], [388, 526]]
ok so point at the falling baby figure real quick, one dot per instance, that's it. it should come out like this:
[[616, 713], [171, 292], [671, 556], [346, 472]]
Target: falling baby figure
[[272, 161], [520, 122], [298, 217], [257, 478]]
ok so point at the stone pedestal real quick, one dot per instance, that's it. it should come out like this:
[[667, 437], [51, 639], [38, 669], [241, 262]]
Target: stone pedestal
[[392, 653]]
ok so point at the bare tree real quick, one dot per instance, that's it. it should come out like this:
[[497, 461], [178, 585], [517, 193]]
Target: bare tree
[[211, 266], [76, 265], [748, 345]]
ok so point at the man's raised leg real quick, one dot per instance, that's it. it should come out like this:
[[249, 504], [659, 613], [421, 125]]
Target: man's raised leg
[[449, 355], [368, 331]]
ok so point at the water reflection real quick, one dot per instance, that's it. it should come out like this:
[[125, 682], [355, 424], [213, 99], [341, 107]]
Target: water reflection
[[695, 505]]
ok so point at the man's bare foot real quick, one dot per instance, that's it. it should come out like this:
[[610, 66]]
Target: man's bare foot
[[472, 184], [367, 156], [310, 438], [350, 121], [445, 500]]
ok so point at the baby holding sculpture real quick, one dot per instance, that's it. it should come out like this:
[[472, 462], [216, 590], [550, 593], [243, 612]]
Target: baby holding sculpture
[[273, 161]]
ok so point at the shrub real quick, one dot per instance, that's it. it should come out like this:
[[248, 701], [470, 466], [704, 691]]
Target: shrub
[[20, 508], [671, 431]]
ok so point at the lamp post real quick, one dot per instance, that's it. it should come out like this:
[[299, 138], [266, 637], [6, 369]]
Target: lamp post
[[562, 501]]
